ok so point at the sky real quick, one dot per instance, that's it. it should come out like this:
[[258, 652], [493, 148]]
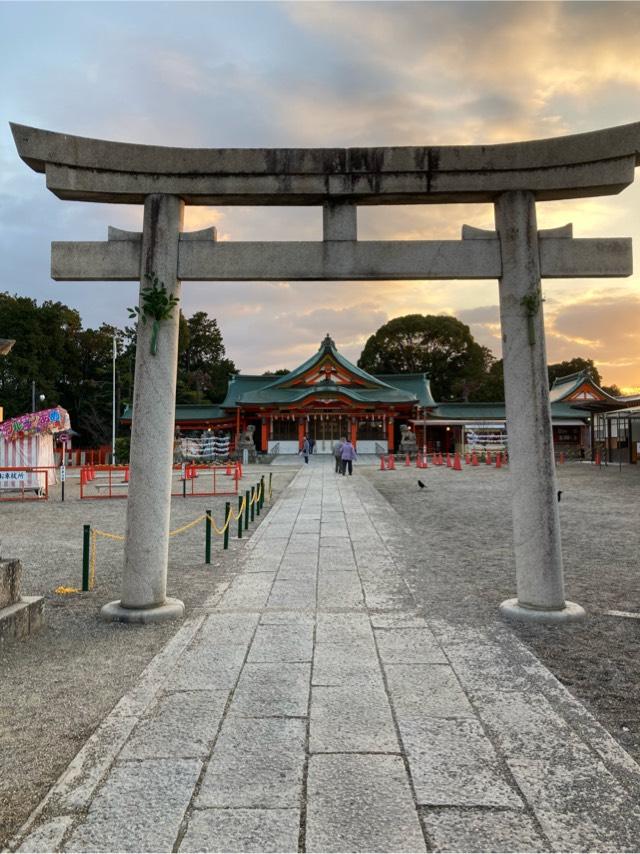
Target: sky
[[303, 74]]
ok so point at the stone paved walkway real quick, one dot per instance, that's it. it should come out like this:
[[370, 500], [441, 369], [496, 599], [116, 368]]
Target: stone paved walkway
[[312, 708]]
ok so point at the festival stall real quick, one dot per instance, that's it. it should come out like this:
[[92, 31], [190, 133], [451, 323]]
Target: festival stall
[[26, 442]]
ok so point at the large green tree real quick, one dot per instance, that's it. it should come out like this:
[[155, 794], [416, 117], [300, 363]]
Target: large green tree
[[439, 345], [72, 367]]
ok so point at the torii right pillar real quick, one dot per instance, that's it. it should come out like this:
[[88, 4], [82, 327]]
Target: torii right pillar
[[536, 519]]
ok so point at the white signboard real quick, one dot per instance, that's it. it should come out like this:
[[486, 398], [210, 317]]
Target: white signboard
[[13, 475]]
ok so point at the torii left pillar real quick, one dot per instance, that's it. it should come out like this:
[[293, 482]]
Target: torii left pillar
[[146, 555]]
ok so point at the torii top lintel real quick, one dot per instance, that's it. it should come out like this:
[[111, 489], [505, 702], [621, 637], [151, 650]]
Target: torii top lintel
[[77, 168]]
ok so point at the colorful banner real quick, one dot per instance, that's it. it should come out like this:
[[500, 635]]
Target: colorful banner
[[45, 421]]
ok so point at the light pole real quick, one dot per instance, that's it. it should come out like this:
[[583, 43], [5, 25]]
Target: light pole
[[113, 406]]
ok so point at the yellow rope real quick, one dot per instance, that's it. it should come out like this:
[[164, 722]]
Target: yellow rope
[[187, 526], [95, 533], [92, 561], [220, 531], [241, 510], [106, 534], [257, 495]]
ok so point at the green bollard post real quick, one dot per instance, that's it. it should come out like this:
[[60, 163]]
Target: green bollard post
[[86, 546], [262, 495], [253, 504], [246, 509], [227, 524], [258, 499], [270, 476], [239, 517], [207, 537]]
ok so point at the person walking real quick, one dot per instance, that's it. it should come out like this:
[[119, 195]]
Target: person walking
[[347, 456], [337, 453], [306, 449]]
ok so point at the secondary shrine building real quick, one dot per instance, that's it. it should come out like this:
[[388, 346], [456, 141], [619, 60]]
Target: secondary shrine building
[[328, 397]]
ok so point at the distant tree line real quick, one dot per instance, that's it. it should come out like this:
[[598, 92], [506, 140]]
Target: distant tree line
[[443, 347], [72, 366]]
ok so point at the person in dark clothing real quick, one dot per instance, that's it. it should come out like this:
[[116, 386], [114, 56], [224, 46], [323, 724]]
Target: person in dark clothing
[[305, 451]]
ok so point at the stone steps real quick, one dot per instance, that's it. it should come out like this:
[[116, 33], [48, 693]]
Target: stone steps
[[20, 616]]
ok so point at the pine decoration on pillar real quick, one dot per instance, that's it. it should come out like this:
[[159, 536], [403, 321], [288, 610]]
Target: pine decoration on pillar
[[157, 305]]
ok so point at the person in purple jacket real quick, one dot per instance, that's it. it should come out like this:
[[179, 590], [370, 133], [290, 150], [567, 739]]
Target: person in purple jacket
[[348, 455]]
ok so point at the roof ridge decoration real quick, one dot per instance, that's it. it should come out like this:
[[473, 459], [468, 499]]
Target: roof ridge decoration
[[327, 353]]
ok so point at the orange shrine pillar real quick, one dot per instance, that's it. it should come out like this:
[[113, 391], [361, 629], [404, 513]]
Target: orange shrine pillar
[[264, 438], [390, 436], [354, 432], [300, 434]]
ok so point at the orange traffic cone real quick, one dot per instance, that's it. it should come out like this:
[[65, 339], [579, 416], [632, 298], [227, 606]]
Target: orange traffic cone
[[498, 460], [488, 460], [467, 459], [561, 459], [448, 460], [382, 468], [392, 463], [407, 460], [126, 475], [597, 459], [456, 462], [474, 459]]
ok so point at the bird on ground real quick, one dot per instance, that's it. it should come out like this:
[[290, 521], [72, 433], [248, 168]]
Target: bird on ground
[[559, 495], [421, 484]]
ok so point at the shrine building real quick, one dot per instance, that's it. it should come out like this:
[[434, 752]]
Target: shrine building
[[328, 396]]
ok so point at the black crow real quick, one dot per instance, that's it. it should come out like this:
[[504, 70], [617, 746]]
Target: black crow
[[421, 484], [559, 495]]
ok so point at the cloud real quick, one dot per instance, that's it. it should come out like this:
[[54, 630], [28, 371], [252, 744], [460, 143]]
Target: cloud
[[321, 74]]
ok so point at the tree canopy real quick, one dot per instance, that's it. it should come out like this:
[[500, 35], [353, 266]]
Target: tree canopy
[[72, 366], [439, 345]]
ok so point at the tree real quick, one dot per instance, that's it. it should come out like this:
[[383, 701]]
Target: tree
[[205, 369], [281, 372], [491, 389], [438, 345]]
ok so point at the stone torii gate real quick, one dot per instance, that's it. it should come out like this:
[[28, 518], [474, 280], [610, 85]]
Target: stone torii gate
[[512, 177]]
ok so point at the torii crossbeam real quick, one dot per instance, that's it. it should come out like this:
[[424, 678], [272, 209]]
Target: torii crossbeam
[[512, 177]]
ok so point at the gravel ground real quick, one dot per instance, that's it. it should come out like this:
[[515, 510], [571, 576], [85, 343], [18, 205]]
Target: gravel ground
[[58, 685], [461, 568]]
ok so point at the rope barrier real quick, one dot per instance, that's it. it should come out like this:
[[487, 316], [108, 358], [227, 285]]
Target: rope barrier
[[92, 534], [237, 515], [187, 526]]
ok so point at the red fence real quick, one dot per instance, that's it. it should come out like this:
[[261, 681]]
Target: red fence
[[24, 480], [104, 481], [189, 480], [201, 480], [83, 457]]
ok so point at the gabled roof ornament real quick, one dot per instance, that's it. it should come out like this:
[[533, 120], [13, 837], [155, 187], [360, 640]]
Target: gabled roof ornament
[[327, 343]]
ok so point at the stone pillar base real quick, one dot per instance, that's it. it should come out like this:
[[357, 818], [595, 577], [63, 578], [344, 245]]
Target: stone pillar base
[[113, 612], [512, 610]]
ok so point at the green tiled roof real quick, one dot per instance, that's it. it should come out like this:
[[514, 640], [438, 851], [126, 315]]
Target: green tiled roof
[[188, 412], [269, 391], [242, 384], [415, 384], [565, 386], [327, 348], [492, 411]]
